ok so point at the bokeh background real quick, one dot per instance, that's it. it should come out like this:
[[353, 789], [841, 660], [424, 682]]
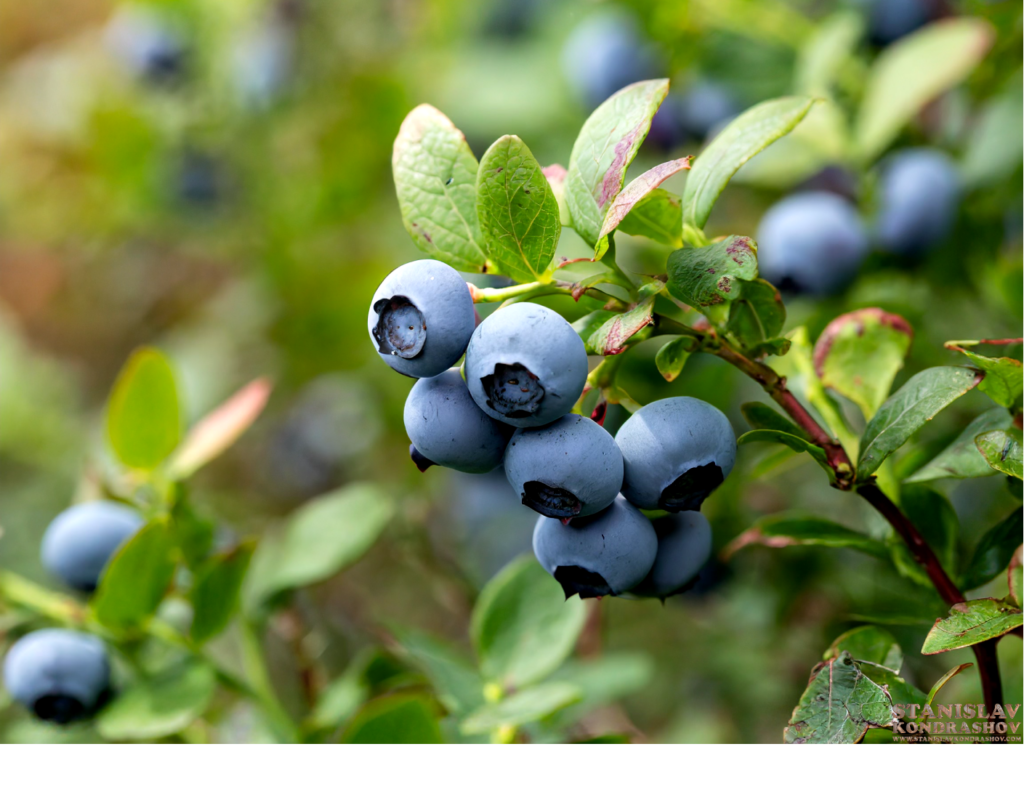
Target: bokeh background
[[213, 177]]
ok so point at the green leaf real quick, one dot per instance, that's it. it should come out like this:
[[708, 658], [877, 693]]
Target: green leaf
[[961, 459], [218, 431], [742, 139], [143, 416], [706, 277], [159, 706], [603, 681], [341, 699], [323, 537], [435, 179], [612, 336], [900, 692], [822, 58], [518, 211], [783, 531], [838, 706], [944, 680], [868, 643], [192, 533], [632, 195], [1013, 576], [859, 354], [587, 325], [215, 593], [993, 146], [756, 317], [455, 680], [970, 623], [936, 519], [658, 216], [914, 71], [529, 705], [1002, 451], [671, 358], [993, 552], [923, 396], [522, 626], [798, 444], [556, 174], [761, 416], [1004, 377], [606, 146], [395, 719], [137, 578]]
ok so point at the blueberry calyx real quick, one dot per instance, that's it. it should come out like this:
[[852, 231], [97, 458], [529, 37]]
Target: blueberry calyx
[[419, 460], [401, 329], [58, 708], [580, 581], [689, 490], [513, 391], [554, 502]]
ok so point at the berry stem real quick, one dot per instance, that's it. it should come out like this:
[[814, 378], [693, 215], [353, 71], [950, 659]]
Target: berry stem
[[531, 290]]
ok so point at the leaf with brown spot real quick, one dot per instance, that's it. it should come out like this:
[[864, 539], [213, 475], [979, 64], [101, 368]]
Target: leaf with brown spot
[[612, 336], [783, 531], [971, 622], [704, 277]]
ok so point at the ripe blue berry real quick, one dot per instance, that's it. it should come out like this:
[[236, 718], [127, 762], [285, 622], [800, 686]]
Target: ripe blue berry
[[811, 242], [684, 546], [80, 541], [571, 468], [149, 45], [604, 53], [605, 554], [676, 452], [447, 428], [889, 20], [525, 365], [421, 318], [60, 675], [919, 197]]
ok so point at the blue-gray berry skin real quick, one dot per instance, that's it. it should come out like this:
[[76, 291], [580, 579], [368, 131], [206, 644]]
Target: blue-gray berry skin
[[889, 20], [570, 468], [525, 365], [676, 452], [684, 547], [812, 242], [919, 194], [421, 318], [59, 675], [80, 541], [604, 554], [447, 428]]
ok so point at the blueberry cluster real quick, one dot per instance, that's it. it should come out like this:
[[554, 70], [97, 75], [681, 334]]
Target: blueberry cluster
[[525, 369], [814, 242], [58, 674]]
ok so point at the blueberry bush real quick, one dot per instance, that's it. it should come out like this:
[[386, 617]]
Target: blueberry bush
[[714, 432]]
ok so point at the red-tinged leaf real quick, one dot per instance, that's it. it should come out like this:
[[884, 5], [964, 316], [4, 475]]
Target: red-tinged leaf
[[612, 336], [556, 179]]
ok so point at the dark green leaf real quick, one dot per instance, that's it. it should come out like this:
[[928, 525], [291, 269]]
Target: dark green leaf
[[395, 719], [456, 682], [859, 354], [993, 552], [783, 531], [761, 416], [900, 691], [706, 277], [143, 416], [1004, 377], [923, 396], [970, 623], [798, 444], [137, 577], [215, 593], [742, 139], [522, 625], [159, 706], [757, 316], [944, 680], [518, 211], [608, 738], [606, 146], [839, 705], [914, 71], [435, 179], [1002, 451], [936, 519], [193, 534], [868, 643], [961, 459], [529, 705], [613, 335], [671, 358], [658, 216]]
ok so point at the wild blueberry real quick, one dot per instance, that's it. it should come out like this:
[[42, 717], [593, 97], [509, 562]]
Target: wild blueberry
[[447, 428], [889, 20], [149, 45], [421, 318], [80, 541], [811, 242], [60, 675], [676, 452], [605, 53], [919, 196], [684, 546], [604, 554], [571, 468], [703, 107], [525, 365]]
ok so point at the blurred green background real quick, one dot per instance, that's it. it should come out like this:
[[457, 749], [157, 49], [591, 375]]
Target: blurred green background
[[234, 206]]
